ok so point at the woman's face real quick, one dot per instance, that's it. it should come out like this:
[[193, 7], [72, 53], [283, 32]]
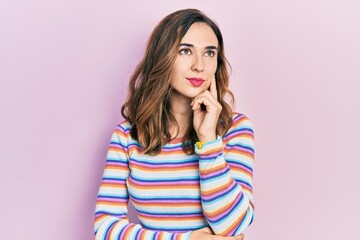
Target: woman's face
[[196, 62]]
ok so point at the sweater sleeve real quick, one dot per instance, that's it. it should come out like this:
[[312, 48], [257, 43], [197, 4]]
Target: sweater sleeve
[[111, 221], [226, 166]]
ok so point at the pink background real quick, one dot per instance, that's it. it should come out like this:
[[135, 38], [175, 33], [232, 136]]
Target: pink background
[[64, 71]]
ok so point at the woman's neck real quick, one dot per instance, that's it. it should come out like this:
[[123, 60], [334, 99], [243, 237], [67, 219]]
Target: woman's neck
[[182, 112]]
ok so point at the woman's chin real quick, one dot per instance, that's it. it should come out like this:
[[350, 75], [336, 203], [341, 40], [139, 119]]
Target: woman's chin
[[186, 94]]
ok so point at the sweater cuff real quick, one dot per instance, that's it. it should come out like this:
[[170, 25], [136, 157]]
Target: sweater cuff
[[185, 236], [209, 147]]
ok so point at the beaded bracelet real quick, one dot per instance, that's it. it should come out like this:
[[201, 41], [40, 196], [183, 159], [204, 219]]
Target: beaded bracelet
[[199, 145]]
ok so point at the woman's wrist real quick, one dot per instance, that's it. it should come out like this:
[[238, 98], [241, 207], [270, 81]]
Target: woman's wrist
[[207, 138], [203, 147]]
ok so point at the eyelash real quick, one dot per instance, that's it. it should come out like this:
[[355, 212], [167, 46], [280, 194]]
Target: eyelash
[[184, 49], [210, 53]]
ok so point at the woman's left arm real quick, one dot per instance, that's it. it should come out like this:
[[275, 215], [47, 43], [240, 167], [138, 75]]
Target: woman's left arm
[[226, 170]]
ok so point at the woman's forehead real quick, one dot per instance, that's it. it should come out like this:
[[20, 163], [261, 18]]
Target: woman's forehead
[[200, 35]]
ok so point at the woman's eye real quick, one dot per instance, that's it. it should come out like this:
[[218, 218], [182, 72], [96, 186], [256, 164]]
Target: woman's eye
[[209, 53], [185, 51]]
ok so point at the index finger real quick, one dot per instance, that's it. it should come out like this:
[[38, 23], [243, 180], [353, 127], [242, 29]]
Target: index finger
[[213, 89]]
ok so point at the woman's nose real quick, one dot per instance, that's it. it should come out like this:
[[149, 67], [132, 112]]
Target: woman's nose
[[198, 64]]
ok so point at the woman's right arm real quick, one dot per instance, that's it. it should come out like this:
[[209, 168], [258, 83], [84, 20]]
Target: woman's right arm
[[207, 234], [111, 221]]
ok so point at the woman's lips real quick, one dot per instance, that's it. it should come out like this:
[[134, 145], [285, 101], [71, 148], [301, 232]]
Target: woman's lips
[[196, 82]]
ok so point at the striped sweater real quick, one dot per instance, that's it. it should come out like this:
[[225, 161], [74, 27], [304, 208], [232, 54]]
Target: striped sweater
[[175, 193]]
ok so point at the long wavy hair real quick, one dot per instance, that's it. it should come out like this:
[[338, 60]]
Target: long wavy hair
[[147, 107]]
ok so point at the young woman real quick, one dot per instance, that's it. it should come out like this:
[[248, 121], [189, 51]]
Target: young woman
[[182, 156]]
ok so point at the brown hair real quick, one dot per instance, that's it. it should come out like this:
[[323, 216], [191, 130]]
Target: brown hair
[[147, 107]]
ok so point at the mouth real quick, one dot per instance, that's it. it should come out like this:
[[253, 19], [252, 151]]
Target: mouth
[[196, 82]]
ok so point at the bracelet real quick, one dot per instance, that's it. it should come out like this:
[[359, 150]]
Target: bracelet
[[199, 145]]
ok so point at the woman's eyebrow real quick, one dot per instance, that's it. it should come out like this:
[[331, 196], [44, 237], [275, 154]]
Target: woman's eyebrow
[[186, 45], [211, 47], [191, 46]]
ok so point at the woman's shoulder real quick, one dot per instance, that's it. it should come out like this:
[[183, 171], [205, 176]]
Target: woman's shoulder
[[123, 127], [241, 122], [240, 128], [240, 119]]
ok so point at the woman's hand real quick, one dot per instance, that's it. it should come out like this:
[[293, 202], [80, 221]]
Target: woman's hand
[[207, 234], [205, 122]]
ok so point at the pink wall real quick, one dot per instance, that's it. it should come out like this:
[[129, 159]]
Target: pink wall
[[64, 72]]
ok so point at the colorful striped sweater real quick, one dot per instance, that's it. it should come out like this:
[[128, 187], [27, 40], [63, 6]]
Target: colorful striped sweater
[[175, 193]]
